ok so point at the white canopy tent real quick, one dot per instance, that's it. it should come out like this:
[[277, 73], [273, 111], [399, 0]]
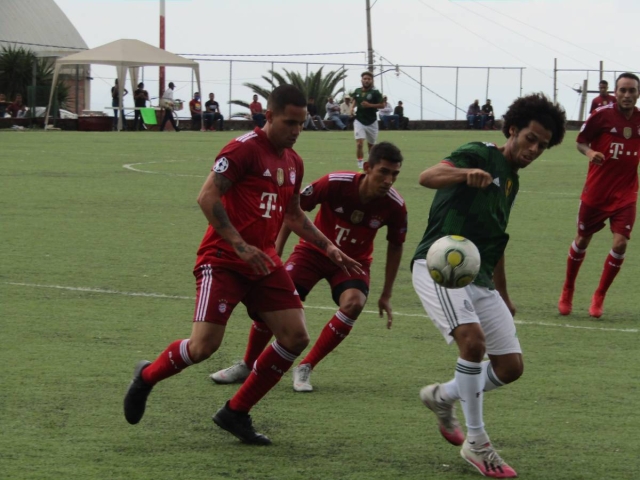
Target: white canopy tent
[[124, 54]]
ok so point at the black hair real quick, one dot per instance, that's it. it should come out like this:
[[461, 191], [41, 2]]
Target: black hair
[[367, 73], [628, 75], [285, 95], [540, 108], [140, 85], [384, 151], [603, 82]]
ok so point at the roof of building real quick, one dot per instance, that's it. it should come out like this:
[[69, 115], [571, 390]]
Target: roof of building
[[39, 25]]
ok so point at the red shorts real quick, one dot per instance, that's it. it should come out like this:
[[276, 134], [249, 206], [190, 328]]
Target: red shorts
[[307, 267], [219, 290], [592, 220]]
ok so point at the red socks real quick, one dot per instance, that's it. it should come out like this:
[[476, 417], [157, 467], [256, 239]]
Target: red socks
[[169, 363], [267, 371], [574, 262], [611, 268], [332, 334], [259, 337]]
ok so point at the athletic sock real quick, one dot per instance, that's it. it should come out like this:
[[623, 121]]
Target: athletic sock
[[259, 337], [169, 363], [611, 268], [360, 163], [574, 262], [470, 382], [449, 390], [331, 336], [268, 369], [491, 380]]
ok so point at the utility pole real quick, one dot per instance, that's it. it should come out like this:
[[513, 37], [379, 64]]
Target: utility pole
[[161, 75], [369, 42]]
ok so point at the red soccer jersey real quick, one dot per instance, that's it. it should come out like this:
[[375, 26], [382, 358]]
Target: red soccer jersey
[[601, 102], [614, 184], [349, 223], [263, 185]]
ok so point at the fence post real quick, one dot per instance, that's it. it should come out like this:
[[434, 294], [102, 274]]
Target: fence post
[[521, 81], [230, 83], [555, 80], [487, 90], [421, 107], [455, 115]]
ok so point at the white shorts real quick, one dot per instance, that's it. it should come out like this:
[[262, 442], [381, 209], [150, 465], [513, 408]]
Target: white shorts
[[449, 308], [368, 132]]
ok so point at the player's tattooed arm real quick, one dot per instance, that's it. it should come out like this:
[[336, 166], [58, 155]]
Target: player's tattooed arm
[[210, 201], [296, 220]]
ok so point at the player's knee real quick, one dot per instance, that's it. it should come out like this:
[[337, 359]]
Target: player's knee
[[200, 351], [619, 245], [509, 372], [295, 342], [352, 308]]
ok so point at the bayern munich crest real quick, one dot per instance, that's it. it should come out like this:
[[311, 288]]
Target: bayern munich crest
[[375, 223], [292, 176], [222, 307]]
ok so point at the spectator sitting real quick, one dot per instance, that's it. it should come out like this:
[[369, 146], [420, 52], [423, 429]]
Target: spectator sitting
[[256, 112], [140, 98], [312, 114], [212, 107], [474, 115], [387, 115], [488, 120], [196, 113], [3, 105], [333, 114], [345, 108], [17, 109], [403, 122]]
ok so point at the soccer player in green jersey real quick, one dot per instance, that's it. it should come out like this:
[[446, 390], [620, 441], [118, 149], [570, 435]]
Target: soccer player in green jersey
[[476, 187], [365, 126]]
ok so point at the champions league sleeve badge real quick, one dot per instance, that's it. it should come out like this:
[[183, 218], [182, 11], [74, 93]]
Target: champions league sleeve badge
[[221, 165]]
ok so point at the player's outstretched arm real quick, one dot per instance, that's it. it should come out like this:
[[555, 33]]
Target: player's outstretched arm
[[394, 256], [500, 281], [210, 201], [296, 220], [444, 175], [592, 155]]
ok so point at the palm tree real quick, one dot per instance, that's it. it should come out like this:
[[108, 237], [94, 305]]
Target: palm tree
[[313, 85], [16, 75]]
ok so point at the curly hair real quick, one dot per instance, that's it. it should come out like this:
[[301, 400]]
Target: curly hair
[[540, 108]]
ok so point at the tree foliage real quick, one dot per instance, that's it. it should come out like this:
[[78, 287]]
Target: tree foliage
[[16, 75], [315, 84]]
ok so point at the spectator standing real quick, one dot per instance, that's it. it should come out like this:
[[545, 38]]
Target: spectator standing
[[474, 115], [402, 120], [17, 109], [115, 102], [257, 113], [167, 104], [387, 116], [312, 114], [333, 113], [195, 107], [213, 107], [366, 102], [604, 98], [3, 105], [140, 99], [488, 119]]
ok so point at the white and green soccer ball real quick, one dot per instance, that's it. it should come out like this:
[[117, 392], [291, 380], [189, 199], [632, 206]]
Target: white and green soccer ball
[[453, 261]]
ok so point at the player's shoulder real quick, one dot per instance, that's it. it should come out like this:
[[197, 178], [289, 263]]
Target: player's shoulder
[[394, 196], [603, 110], [342, 176], [484, 149]]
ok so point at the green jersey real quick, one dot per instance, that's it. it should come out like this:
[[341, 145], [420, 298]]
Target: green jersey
[[366, 116], [481, 215]]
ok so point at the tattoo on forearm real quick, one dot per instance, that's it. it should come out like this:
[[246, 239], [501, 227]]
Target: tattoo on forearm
[[222, 182], [220, 214], [318, 238]]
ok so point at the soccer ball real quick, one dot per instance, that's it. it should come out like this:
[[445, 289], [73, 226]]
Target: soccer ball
[[453, 261]]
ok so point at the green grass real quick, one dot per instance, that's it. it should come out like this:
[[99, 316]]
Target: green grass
[[73, 216]]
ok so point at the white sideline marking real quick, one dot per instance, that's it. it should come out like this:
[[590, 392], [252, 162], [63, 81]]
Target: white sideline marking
[[315, 307], [131, 166]]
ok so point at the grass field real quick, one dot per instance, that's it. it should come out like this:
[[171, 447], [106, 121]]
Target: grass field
[[99, 233]]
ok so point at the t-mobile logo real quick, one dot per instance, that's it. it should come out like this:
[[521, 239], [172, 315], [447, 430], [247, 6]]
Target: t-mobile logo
[[342, 234], [615, 149], [270, 203]]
